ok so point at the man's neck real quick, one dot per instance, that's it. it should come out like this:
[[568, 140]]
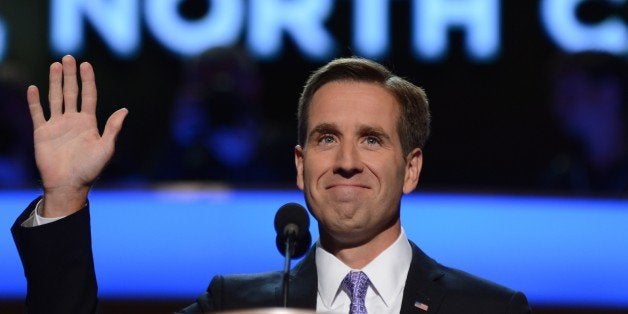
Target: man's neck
[[357, 256]]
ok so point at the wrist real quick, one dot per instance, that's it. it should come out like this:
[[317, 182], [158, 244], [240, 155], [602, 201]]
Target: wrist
[[63, 201]]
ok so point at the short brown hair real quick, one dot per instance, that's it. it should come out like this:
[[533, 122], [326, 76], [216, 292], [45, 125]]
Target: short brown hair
[[413, 126]]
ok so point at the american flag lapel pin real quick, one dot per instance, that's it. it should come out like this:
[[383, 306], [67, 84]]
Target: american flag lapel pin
[[421, 306]]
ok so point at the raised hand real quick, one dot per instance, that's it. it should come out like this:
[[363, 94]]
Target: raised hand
[[69, 151]]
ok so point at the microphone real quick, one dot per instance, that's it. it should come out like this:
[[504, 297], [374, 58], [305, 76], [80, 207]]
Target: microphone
[[292, 225]]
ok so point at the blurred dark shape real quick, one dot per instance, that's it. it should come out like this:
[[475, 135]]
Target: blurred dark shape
[[589, 103], [16, 131], [215, 131]]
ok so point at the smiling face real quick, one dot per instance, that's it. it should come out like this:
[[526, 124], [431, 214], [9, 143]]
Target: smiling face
[[352, 168]]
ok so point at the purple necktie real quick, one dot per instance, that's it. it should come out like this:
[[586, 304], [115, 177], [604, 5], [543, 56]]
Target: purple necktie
[[356, 283]]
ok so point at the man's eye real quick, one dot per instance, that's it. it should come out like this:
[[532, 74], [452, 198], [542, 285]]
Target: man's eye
[[326, 139], [372, 140]]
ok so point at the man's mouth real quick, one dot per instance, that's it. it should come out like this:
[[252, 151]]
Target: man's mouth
[[347, 185]]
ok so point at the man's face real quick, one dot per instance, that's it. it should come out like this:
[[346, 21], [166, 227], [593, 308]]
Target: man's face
[[352, 168]]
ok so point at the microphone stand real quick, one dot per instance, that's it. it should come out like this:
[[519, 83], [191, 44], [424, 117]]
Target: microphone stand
[[286, 268], [293, 238]]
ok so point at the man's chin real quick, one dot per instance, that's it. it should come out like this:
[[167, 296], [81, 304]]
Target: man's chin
[[348, 212]]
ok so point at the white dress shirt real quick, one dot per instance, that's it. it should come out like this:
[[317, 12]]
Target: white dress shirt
[[35, 219], [387, 274]]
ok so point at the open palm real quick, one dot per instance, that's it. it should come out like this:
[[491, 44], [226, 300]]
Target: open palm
[[69, 150]]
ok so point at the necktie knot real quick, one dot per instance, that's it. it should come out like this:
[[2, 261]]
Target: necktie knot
[[356, 283]]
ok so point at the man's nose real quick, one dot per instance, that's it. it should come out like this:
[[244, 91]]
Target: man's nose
[[348, 161]]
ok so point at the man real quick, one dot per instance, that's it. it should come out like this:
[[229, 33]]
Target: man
[[361, 134]]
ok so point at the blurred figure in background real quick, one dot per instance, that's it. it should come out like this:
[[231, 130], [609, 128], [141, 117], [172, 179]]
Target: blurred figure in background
[[215, 128], [589, 104], [16, 143]]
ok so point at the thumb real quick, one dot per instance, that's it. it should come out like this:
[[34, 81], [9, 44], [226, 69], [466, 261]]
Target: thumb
[[114, 125]]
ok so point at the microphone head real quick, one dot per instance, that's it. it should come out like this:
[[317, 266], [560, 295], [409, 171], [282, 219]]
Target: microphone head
[[292, 218], [293, 223], [299, 248]]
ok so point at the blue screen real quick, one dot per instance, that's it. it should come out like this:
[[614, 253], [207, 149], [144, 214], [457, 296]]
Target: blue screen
[[169, 243]]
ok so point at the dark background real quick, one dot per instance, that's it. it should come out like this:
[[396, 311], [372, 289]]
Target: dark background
[[492, 125]]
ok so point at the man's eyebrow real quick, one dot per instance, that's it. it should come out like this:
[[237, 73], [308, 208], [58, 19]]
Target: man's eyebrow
[[375, 131], [324, 128]]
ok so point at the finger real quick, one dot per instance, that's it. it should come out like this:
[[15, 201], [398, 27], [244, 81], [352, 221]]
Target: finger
[[89, 93], [70, 85], [34, 105], [114, 125], [55, 93]]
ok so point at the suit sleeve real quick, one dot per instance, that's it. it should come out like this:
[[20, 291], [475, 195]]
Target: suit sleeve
[[519, 304], [58, 264], [206, 302]]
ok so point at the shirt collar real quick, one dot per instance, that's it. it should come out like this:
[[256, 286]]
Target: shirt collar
[[387, 272]]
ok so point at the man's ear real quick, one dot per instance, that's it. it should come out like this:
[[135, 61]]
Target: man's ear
[[414, 163], [298, 163]]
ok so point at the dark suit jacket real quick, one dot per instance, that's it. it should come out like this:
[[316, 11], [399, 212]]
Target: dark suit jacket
[[58, 264], [59, 269], [444, 290]]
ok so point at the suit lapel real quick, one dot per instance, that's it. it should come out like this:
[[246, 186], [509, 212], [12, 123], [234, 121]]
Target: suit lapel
[[421, 293]]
